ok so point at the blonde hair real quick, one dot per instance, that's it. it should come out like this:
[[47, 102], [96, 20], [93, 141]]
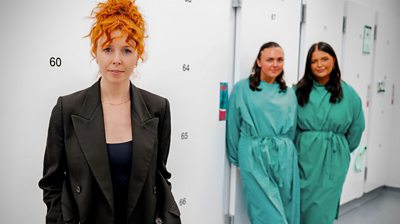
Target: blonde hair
[[122, 15]]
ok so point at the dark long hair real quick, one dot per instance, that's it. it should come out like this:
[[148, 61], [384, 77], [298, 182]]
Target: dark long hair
[[255, 76], [303, 87]]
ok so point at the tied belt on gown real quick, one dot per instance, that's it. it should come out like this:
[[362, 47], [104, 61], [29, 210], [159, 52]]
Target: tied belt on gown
[[332, 147], [274, 144]]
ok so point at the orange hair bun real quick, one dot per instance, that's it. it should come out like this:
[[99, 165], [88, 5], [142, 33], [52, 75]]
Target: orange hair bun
[[120, 15]]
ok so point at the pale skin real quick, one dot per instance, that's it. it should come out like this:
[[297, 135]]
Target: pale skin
[[322, 65], [116, 61], [271, 63]]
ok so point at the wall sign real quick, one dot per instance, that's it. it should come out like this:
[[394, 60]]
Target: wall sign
[[367, 40], [223, 100]]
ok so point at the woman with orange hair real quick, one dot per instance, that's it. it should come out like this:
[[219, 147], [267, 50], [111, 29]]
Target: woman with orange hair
[[107, 145]]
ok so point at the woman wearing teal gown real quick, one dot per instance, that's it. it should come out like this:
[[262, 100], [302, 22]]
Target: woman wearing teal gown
[[330, 123], [261, 125]]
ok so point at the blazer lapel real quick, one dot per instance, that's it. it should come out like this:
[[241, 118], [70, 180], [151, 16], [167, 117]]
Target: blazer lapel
[[89, 128], [144, 131]]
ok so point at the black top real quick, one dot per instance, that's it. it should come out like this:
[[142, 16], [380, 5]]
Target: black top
[[120, 157]]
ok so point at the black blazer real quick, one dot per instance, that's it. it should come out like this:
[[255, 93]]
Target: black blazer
[[76, 183]]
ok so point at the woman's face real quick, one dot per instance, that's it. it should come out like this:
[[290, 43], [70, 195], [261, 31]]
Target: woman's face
[[117, 59], [271, 63], [322, 65]]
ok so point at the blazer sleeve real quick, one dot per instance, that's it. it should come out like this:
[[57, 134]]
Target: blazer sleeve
[[164, 140], [54, 166]]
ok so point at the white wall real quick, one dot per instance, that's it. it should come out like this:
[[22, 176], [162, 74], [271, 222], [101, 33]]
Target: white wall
[[394, 90], [199, 33], [394, 175], [179, 33], [32, 33], [391, 7]]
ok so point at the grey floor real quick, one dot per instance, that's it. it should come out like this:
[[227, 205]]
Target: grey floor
[[382, 206]]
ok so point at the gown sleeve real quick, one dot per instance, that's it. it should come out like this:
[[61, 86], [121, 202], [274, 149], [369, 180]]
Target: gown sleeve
[[233, 128], [292, 133], [354, 133], [293, 130]]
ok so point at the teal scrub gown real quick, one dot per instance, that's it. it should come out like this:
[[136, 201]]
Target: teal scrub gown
[[327, 134], [260, 131]]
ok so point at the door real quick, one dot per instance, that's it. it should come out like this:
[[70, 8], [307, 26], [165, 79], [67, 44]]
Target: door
[[384, 74], [322, 21], [259, 22], [356, 67]]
